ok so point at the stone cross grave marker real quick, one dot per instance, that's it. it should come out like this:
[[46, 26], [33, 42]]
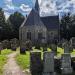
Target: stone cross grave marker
[[66, 64]]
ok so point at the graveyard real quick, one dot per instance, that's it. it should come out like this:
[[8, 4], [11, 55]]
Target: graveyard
[[35, 43], [55, 59]]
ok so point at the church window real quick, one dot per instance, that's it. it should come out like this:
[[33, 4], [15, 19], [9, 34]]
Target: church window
[[29, 35], [39, 35]]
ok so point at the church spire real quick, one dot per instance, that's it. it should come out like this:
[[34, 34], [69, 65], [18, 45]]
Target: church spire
[[37, 6]]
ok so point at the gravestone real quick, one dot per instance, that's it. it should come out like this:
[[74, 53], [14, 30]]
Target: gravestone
[[54, 48], [66, 64], [14, 44], [48, 63], [66, 47], [6, 44], [35, 63], [22, 48], [1, 47], [28, 45], [72, 41]]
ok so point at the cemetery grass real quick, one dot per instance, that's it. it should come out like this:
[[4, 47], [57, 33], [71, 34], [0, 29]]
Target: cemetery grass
[[23, 60], [3, 58], [6, 51]]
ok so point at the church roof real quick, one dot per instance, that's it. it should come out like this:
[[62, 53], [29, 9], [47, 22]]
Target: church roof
[[51, 22], [32, 19]]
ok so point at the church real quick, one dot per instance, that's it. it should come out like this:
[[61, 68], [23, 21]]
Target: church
[[39, 29]]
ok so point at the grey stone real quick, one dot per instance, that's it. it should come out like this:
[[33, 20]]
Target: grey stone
[[22, 48], [72, 42], [51, 73], [1, 46], [66, 64], [48, 63], [66, 47]]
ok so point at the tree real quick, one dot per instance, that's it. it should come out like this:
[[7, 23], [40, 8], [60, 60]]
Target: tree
[[66, 23], [3, 25], [16, 20]]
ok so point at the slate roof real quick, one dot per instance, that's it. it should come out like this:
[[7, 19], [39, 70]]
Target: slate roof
[[32, 19], [51, 22]]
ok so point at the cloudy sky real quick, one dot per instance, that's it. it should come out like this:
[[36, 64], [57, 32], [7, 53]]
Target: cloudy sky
[[47, 7]]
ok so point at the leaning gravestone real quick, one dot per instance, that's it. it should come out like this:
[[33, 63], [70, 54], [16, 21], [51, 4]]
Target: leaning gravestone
[[48, 63], [14, 44], [35, 63], [66, 64], [6, 44]]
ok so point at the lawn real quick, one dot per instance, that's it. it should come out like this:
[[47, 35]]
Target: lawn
[[3, 58], [23, 60], [6, 51]]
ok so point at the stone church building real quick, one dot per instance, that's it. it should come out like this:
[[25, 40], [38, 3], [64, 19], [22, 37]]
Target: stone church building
[[36, 28]]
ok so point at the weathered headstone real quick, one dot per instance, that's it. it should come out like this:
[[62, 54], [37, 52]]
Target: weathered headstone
[[54, 48], [66, 47], [22, 48], [72, 41], [35, 63], [1, 47], [28, 45], [6, 44], [66, 64], [48, 63], [14, 44]]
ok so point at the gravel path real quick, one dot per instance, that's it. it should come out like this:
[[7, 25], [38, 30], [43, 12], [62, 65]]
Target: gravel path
[[11, 67]]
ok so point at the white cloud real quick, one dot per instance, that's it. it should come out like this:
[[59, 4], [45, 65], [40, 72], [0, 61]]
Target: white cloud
[[47, 7], [25, 8], [9, 4], [52, 7]]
